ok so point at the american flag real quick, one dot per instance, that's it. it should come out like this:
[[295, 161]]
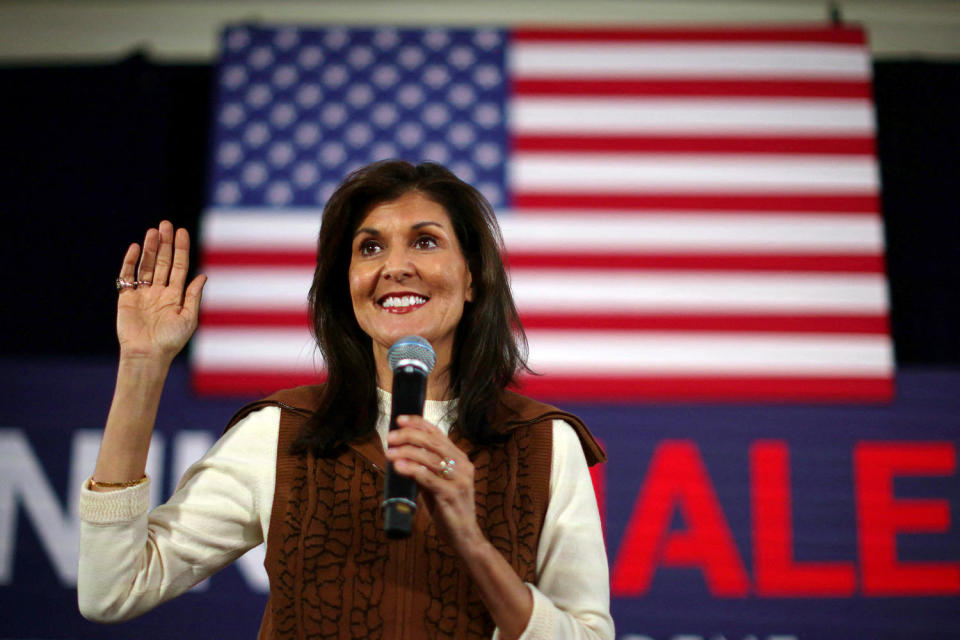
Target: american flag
[[689, 214]]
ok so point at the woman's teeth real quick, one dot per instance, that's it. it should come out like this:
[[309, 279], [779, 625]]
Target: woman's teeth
[[405, 301]]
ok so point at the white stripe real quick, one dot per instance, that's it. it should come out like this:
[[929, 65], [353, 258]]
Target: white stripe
[[541, 230], [620, 172], [643, 353], [637, 60], [558, 291], [691, 233], [585, 353], [769, 116], [261, 228], [271, 349], [577, 291]]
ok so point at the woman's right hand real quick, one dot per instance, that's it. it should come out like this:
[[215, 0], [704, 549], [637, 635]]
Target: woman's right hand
[[155, 321]]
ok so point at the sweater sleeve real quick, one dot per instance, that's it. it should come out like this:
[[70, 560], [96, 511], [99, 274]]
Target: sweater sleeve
[[571, 598], [132, 561]]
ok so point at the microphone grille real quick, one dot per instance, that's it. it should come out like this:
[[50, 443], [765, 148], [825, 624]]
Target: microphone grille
[[412, 348]]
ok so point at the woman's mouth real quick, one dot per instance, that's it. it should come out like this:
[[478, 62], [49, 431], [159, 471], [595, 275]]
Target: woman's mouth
[[402, 303]]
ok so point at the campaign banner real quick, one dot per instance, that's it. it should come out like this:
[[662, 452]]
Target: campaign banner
[[721, 521]]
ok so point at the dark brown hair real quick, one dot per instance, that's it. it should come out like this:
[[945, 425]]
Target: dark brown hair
[[489, 345]]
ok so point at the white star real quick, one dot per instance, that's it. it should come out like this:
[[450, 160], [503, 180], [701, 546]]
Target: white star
[[409, 134], [232, 114], [307, 134], [254, 174], [436, 76], [227, 193], [384, 115], [260, 57], [386, 38], [284, 76], [410, 57], [385, 76], [282, 115], [237, 39], [305, 174], [310, 56], [461, 95], [333, 115], [487, 115], [308, 95], [259, 95], [279, 193], [256, 134], [461, 57], [436, 39], [234, 76], [360, 57]]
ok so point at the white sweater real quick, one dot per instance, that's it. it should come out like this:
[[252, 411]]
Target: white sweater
[[132, 561]]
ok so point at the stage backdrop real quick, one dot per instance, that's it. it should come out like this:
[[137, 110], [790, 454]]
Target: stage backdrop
[[808, 522], [690, 216]]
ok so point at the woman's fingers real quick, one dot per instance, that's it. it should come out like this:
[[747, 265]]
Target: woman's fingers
[[161, 272], [149, 258], [129, 268], [191, 299], [181, 259]]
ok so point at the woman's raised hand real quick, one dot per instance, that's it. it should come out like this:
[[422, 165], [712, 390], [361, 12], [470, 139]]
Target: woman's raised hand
[[155, 320]]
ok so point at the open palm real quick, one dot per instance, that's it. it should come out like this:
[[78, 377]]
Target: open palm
[[155, 320]]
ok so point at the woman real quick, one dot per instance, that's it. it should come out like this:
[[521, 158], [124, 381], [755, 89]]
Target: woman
[[508, 540]]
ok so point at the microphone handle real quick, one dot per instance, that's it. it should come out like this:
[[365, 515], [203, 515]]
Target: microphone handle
[[400, 492]]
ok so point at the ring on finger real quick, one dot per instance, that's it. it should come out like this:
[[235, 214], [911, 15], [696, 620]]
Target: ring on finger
[[446, 468], [126, 284]]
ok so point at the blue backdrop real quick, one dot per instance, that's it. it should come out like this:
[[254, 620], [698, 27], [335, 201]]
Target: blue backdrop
[[721, 521]]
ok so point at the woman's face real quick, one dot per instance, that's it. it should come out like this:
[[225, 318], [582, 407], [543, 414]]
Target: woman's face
[[408, 276]]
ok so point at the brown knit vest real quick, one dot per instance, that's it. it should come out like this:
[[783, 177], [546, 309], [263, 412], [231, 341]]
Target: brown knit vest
[[334, 574]]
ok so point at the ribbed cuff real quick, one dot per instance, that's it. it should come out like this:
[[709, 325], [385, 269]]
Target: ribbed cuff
[[541, 624], [113, 507]]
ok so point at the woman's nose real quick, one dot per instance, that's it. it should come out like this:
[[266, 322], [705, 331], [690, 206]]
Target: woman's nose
[[398, 267]]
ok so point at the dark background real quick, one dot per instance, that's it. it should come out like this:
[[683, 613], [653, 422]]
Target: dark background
[[96, 154]]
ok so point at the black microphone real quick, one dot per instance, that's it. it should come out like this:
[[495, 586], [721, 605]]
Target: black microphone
[[411, 358]]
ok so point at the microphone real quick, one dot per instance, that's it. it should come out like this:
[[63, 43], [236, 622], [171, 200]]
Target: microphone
[[411, 358]]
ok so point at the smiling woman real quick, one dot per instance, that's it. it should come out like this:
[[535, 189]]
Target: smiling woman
[[508, 543], [408, 276]]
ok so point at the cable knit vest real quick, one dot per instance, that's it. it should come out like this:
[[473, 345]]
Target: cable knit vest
[[334, 574]]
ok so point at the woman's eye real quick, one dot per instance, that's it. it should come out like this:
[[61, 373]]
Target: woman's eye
[[426, 242], [369, 247]]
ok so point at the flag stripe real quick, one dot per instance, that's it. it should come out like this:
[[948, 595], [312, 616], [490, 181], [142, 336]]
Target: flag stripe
[[851, 263], [818, 145], [630, 60], [627, 173], [601, 352], [784, 201], [581, 115], [838, 34], [601, 290], [737, 323], [585, 230], [690, 87], [607, 388]]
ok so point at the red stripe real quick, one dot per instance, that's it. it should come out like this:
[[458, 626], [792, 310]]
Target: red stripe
[[609, 389], [259, 258], [848, 145], [698, 88], [837, 35], [846, 263], [255, 384], [708, 389], [782, 202], [727, 323], [701, 262]]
